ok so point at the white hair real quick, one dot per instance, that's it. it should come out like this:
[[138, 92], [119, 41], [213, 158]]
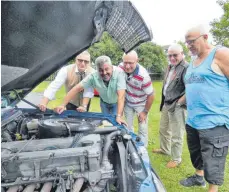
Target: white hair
[[199, 28], [84, 53], [101, 60], [132, 53], [175, 47]]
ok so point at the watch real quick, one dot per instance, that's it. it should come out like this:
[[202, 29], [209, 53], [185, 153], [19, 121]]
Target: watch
[[146, 111], [118, 115]]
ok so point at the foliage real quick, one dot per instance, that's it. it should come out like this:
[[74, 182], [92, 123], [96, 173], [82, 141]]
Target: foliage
[[152, 57], [220, 27], [107, 46], [186, 51]]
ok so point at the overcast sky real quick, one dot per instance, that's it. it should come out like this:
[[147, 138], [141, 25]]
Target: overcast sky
[[170, 19]]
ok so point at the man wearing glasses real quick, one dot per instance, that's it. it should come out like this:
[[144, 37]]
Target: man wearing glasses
[[70, 76], [139, 94], [172, 124], [109, 81], [207, 96]]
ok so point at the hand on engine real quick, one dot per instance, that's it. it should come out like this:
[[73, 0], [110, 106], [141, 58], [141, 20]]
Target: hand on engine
[[60, 109]]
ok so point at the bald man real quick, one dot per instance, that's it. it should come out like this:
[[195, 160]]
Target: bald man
[[207, 96], [139, 94]]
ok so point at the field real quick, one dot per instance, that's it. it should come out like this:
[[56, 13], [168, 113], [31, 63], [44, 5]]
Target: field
[[170, 177]]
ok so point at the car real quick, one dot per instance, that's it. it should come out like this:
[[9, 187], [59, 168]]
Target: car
[[96, 93], [45, 151]]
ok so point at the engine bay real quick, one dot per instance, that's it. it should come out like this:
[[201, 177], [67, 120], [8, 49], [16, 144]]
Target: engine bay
[[47, 152]]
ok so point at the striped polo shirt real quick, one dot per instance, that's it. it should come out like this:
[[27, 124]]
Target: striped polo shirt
[[139, 86]]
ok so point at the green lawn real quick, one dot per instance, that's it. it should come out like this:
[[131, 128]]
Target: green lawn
[[170, 177]]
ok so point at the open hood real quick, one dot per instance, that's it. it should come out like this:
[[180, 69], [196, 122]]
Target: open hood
[[39, 37]]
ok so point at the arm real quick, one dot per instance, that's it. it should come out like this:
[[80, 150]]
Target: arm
[[83, 107], [143, 115], [121, 92], [149, 102], [84, 84], [222, 60], [53, 87], [43, 104], [87, 95], [76, 89], [148, 89], [121, 101], [182, 100]]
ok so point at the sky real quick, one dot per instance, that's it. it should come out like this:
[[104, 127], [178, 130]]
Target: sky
[[170, 19]]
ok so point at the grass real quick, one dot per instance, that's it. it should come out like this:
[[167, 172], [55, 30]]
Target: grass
[[170, 177]]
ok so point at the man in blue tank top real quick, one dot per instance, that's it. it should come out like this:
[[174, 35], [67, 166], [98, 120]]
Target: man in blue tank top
[[207, 97]]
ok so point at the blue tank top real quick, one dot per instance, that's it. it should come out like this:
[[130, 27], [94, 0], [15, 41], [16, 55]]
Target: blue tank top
[[207, 95]]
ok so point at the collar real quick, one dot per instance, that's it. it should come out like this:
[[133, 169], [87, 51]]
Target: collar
[[175, 66], [136, 71], [77, 71]]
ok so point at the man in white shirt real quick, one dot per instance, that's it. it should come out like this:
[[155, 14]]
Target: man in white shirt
[[70, 76]]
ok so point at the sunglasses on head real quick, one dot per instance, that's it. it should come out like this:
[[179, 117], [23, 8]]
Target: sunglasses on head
[[81, 61], [173, 55]]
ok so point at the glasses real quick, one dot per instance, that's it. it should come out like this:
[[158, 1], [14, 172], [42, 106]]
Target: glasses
[[128, 63], [81, 61], [173, 55], [190, 42]]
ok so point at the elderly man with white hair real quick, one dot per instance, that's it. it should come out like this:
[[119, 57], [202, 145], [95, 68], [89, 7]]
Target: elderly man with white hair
[[110, 82], [207, 96], [172, 124]]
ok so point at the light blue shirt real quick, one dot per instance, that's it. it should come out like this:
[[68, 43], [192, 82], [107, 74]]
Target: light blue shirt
[[207, 95], [107, 94]]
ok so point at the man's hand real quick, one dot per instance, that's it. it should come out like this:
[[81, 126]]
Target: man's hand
[[142, 116], [42, 107], [60, 109], [43, 104], [120, 121], [81, 109]]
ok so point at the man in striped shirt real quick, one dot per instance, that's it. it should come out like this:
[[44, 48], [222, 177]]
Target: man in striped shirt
[[139, 94]]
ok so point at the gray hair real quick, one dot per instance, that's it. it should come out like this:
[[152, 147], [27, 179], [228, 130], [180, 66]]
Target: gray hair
[[101, 60], [175, 47], [199, 28], [84, 53], [132, 53]]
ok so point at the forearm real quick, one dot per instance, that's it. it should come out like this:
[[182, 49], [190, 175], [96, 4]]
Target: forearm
[[121, 101], [44, 101], [71, 94], [182, 100], [149, 102], [85, 102]]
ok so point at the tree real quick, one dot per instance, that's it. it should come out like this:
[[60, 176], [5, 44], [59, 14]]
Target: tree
[[107, 46], [220, 27], [185, 50], [152, 57]]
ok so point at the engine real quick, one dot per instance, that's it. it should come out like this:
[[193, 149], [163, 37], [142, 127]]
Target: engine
[[49, 153]]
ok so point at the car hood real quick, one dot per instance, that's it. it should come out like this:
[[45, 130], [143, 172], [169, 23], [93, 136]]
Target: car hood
[[39, 37]]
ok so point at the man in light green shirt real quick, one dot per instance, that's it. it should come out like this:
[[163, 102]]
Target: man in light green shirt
[[110, 82]]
